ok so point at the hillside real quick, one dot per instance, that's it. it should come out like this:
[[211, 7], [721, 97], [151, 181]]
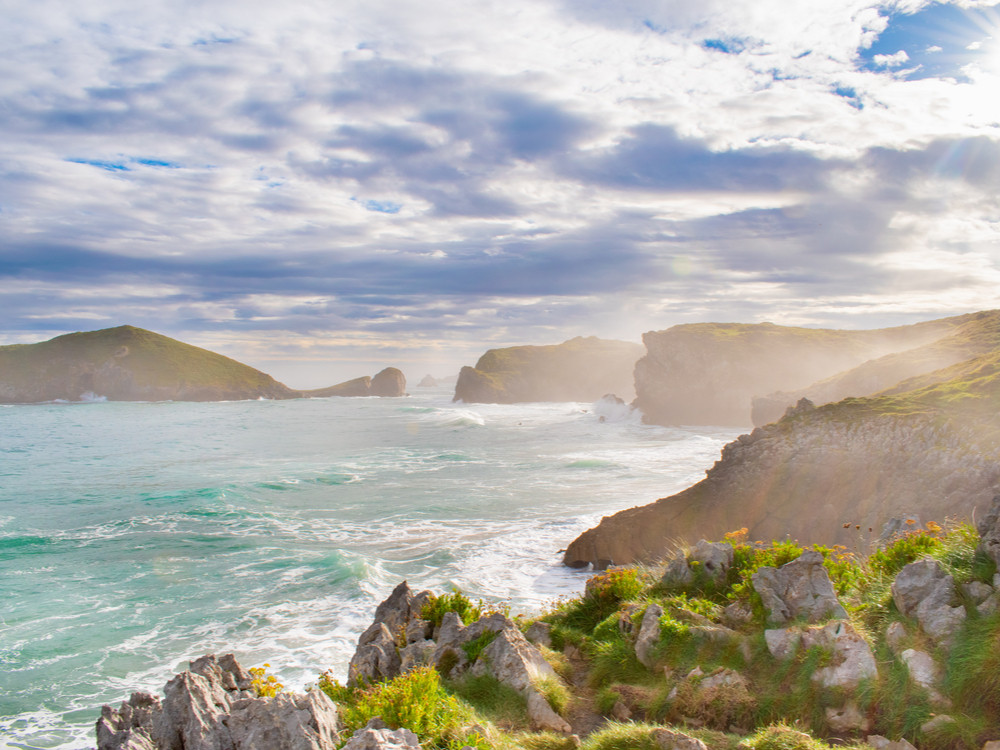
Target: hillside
[[132, 364], [581, 369], [975, 334], [709, 373], [930, 446]]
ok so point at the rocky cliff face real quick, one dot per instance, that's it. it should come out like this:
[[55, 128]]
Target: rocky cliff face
[[972, 335], [827, 475], [581, 369], [708, 373]]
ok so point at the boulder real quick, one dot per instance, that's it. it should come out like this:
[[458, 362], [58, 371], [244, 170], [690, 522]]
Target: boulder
[[924, 591], [513, 661], [649, 635], [416, 655], [287, 721], [131, 726], [798, 589], [852, 660], [376, 736], [543, 717], [849, 718], [884, 743], [895, 635], [924, 672], [376, 657], [783, 642]]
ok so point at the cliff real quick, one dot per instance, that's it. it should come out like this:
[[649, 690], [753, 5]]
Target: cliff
[[581, 369], [975, 334], [832, 473], [132, 364], [708, 373]]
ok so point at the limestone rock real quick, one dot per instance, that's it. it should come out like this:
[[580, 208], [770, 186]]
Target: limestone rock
[[853, 660], [977, 592], [897, 527], [539, 633], [671, 739], [416, 655], [935, 724], [895, 634], [649, 635], [513, 661], [376, 736], [376, 657], [193, 716], [285, 722], [131, 726], [924, 591], [924, 672], [783, 642], [800, 588], [849, 718], [543, 717]]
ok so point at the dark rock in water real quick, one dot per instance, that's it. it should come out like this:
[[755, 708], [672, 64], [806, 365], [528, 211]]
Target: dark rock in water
[[427, 382], [211, 707], [389, 383]]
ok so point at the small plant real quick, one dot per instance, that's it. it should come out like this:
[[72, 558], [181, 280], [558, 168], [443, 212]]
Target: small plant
[[436, 607], [606, 699], [500, 703], [555, 692], [622, 736], [476, 646], [263, 684], [780, 736]]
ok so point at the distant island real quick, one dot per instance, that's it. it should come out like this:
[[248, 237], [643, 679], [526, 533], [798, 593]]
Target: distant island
[[132, 364], [581, 369]]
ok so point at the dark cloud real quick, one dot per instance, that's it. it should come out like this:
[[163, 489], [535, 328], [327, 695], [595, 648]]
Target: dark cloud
[[655, 157]]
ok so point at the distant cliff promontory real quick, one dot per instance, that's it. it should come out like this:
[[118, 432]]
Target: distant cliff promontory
[[930, 446], [581, 369], [709, 373], [132, 364]]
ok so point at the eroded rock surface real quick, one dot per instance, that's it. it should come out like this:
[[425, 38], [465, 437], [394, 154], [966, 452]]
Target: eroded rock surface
[[924, 591], [798, 589]]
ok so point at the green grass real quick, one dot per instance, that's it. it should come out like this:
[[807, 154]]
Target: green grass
[[476, 646], [499, 703]]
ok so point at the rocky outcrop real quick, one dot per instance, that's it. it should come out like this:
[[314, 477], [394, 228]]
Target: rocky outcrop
[[375, 735], [211, 707], [427, 381], [831, 474], [706, 560], [581, 369], [389, 382], [708, 373], [399, 639], [924, 591], [800, 589]]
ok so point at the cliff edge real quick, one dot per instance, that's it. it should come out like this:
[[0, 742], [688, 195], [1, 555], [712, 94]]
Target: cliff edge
[[581, 369], [831, 473]]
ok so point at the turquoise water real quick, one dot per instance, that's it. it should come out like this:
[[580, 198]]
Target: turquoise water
[[136, 536]]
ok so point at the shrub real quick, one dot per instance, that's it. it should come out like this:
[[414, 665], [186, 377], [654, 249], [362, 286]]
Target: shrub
[[476, 646], [780, 736], [621, 736], [554, 692], [415, 700], [263, 684], [436, 607], [605, 593], [500, 703]]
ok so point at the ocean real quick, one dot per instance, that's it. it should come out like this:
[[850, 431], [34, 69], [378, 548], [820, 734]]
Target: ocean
[[137, 536]]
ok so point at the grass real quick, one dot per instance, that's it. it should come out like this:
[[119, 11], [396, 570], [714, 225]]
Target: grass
[[499, 703], [554, 692]]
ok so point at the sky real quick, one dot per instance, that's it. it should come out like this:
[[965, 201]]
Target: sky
[[325, 189]]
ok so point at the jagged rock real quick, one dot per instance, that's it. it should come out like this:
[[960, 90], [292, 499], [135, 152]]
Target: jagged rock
[[416, 655], [671, 739], [543, 717], [895, 635], [376, 736], [724, 678], [989, 531], [513, 661], [539, 633], [850, 718], [419, 630], [924, 591], [711, 560], [396, 610], [649, 635], [738, 614], [853, 660], [924, 672], [376, 657], [884, 743], [286, 721], [131, 726], [800, 588], [208, 707], [991, 605], [783, 642], [894, 528], [450, 630]]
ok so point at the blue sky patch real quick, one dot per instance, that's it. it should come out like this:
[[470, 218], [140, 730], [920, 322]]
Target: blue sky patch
[[935, 42], [110, 166], [382, 207], [731, 46], [850, 94]]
